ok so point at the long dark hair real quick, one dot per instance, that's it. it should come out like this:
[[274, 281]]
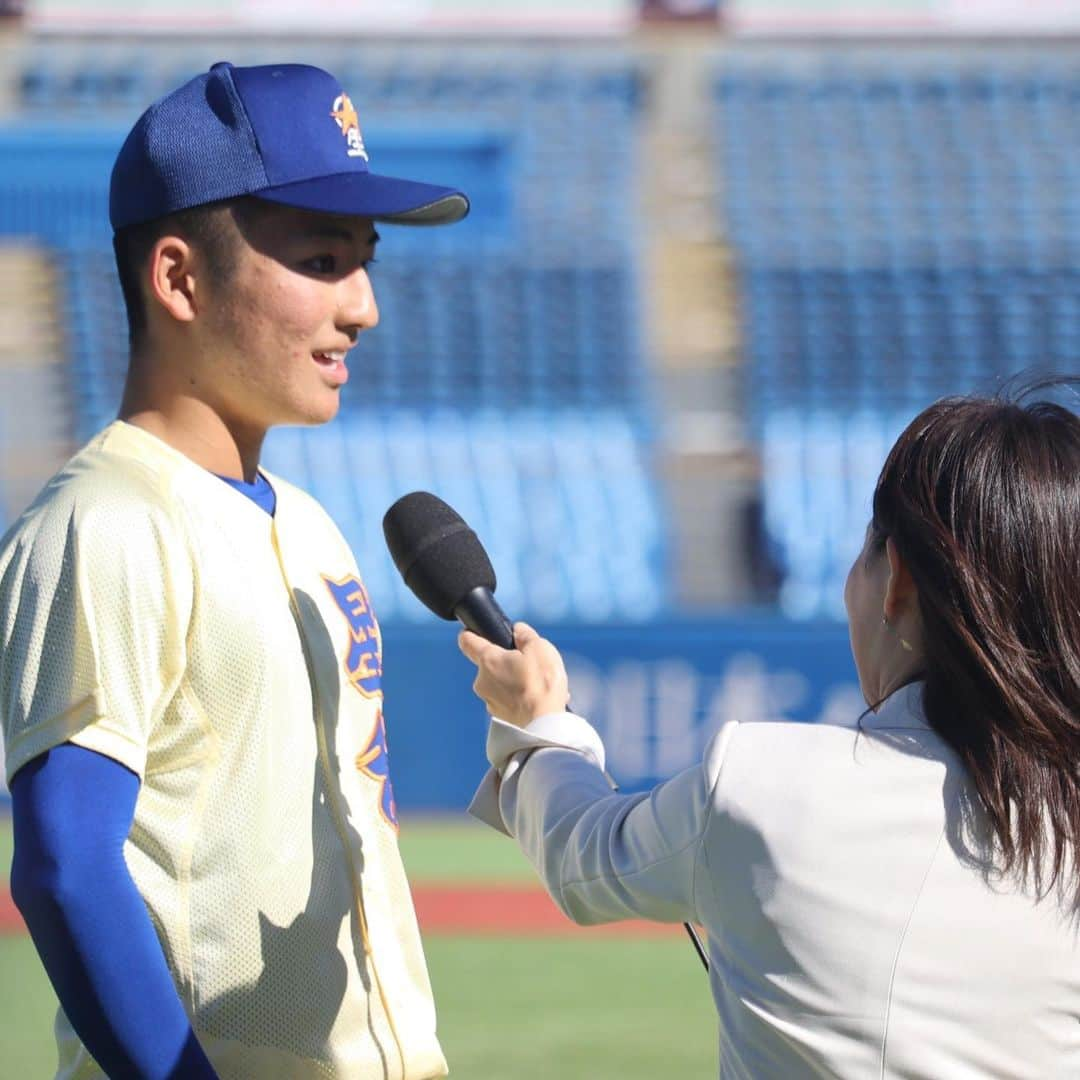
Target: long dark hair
[[982, 500]]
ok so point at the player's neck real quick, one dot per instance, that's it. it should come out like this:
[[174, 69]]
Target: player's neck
[[159, 398], [199, 433]]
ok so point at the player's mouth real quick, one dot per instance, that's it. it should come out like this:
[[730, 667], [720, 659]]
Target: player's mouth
[[333, 366]]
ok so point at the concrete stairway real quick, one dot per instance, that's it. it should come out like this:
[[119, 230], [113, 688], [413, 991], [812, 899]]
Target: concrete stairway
[[708, 467]]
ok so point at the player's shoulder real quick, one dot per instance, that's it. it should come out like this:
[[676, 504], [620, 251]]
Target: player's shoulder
[[108, 491]]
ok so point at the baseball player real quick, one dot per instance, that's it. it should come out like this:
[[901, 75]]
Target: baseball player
[[206, 836]]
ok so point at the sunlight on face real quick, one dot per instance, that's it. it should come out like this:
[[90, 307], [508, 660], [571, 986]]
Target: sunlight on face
[[297, 303]]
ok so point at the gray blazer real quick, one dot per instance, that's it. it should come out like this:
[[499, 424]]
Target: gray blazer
[[843, 877]]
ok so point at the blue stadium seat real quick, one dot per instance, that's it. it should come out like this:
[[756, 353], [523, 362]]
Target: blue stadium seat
[[905, 226], [562, 501]]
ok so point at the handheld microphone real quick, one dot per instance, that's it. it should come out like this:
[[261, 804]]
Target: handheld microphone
[[446, 566]]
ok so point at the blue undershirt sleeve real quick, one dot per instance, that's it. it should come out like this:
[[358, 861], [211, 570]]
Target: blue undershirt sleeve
[[72, 811]]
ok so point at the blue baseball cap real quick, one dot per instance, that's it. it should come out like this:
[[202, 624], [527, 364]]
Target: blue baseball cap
[[286, 133]]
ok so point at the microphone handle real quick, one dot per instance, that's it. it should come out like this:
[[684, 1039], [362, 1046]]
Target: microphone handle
[[479, 612]]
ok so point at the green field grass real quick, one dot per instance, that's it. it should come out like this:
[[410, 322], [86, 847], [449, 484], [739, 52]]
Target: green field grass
[[448, 850], [509, 1009], [27, 1007], [572, 1010]]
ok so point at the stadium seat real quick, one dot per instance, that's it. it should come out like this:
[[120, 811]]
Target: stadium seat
[[562, 500], [905, 226]]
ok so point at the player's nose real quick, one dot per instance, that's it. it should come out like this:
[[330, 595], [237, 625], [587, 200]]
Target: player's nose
[[357, 309]]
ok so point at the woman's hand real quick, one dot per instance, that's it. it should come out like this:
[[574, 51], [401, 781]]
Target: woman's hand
[[518, 685]]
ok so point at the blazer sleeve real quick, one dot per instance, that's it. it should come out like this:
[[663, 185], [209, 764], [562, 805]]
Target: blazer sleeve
[[602, 856]]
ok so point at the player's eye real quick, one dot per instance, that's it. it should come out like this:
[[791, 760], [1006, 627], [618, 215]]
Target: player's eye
[[322, 264]]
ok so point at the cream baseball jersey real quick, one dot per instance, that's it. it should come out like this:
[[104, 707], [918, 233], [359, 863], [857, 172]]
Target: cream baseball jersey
[[232, 660]]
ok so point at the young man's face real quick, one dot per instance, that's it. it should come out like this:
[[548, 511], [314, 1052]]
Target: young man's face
[[273, 338]]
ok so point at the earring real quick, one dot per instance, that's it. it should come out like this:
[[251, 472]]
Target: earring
[[904, 643]]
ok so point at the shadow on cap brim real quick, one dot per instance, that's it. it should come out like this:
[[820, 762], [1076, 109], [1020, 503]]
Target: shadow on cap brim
[[364, 194]]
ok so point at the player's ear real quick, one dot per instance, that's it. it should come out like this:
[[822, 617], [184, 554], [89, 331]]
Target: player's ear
[[172, 277]]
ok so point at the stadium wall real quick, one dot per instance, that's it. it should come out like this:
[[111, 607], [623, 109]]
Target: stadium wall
[[657, 693]]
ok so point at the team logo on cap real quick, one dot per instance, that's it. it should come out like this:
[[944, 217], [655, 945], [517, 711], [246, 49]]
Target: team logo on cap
[[344, 112]]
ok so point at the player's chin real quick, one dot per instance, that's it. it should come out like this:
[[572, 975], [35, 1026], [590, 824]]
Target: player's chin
[[317, 408], [328, 408]]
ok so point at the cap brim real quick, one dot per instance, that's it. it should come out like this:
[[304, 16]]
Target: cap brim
[[364, 194]]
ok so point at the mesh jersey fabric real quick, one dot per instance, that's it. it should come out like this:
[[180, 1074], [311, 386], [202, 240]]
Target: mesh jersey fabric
[[155, 615]]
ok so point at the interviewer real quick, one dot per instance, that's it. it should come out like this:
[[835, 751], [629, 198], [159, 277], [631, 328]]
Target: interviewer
[[896, 898]]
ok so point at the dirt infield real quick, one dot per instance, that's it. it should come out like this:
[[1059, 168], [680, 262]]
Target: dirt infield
[[507, 910], [518, 911], [10, 919]]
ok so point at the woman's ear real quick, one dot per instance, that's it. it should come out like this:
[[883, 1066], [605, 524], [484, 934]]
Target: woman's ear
[[172, 278], [901, 595]]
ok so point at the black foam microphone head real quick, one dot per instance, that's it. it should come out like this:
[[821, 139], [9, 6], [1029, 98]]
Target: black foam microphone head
[[436, 553]]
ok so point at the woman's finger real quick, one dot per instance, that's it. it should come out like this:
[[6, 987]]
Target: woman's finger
[[473, 645]]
